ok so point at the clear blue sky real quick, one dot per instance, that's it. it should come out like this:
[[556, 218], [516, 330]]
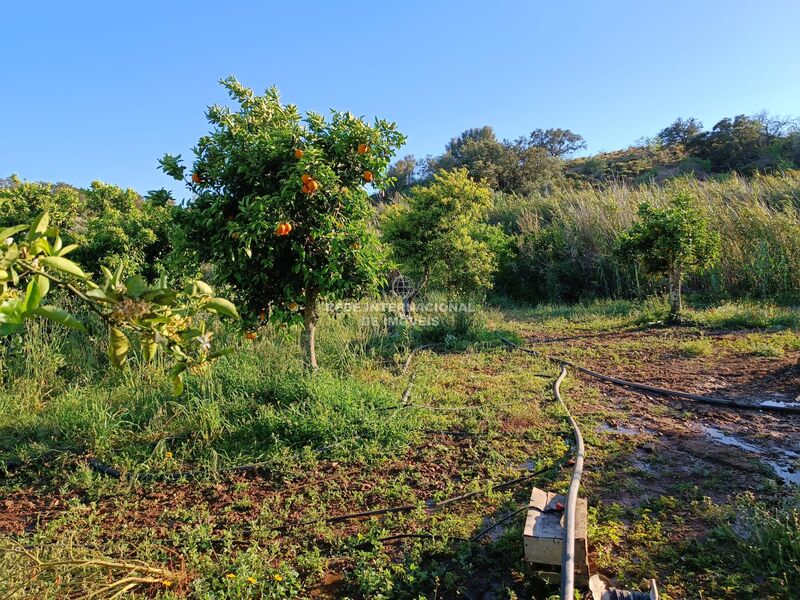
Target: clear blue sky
[[100, 90]]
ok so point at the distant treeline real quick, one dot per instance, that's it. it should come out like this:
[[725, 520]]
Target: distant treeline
[[541, 160], [561, 217], [564, 216]]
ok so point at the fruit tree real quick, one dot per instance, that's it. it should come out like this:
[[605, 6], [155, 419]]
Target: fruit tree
[[440, 235], [280, 208], [671, 241]]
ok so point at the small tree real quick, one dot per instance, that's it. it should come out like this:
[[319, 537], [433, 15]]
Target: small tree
[[281, 209], [33, 258], [439, 235], [671, 241]]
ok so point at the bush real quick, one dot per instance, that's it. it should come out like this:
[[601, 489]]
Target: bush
[[111, 225]]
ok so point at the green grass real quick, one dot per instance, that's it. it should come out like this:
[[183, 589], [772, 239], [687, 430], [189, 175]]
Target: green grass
[[337, 442], [697, 348]]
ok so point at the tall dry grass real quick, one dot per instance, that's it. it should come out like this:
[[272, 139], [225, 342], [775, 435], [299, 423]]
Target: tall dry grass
[[566, 239]]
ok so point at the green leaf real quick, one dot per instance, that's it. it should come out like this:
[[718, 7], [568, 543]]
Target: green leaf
[[135, 286], [204, 288], [39, 225], [11, 316], [149, 349], [118, 346], [63, 264], [222, 306], [176, 373], [218, 353], [10, 257], [11, 232], [59, 315], [98, 294], [162, 297], [67, 249], [117, 275], [38, 287]]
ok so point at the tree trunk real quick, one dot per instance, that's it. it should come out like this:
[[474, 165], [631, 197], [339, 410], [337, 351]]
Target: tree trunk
[[308, 337], [675, 302], [408, 301]]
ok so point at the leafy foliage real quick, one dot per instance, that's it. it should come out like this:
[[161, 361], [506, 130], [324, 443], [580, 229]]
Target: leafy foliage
[[439, 234], [523, 166], [110, 225], [671, 241], [557, 142], [677, 233], [280, 207], [162, 317]]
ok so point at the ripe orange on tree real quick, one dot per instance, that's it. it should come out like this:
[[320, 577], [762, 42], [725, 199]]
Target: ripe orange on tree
[[368, 176], [298, 153], [362, 148], [196, 178], [261, 136]]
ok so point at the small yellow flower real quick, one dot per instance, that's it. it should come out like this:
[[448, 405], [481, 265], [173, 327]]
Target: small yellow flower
[[230, 576], [251, 579], [167, 454], [166, 583], [277, 577]]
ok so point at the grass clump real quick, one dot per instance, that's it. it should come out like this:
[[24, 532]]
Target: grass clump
[[697, 348], [256, 405]]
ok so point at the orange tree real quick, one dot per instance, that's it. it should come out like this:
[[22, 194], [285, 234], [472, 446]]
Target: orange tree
[[280, 208]]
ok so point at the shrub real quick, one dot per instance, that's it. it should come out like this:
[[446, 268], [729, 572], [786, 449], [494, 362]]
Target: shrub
[[439, 236], [111, 226], [565, 241]]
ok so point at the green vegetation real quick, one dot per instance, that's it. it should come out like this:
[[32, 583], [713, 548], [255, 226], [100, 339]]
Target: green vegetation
[[391, 457], [438, 237], [281, 211], [341, 442], [671, 241], [111, 226], [566, 240]]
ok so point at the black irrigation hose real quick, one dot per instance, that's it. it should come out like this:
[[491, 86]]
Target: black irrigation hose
[[473, 539], [500, 521], [568, 554], [782, 408], [431, 505]]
